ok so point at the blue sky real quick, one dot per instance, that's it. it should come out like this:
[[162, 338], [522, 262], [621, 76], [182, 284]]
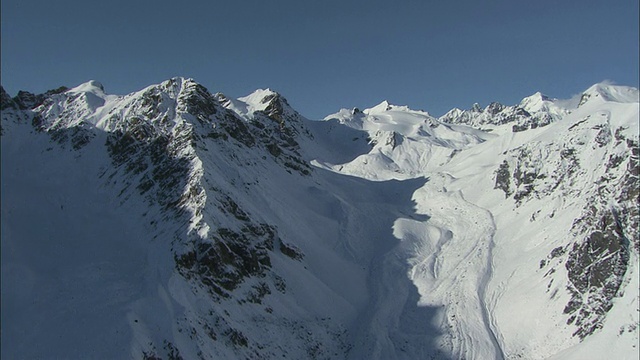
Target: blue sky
[[325, 55]]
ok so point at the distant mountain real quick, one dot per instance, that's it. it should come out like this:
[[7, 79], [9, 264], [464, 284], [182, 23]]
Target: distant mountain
[[178, 223]]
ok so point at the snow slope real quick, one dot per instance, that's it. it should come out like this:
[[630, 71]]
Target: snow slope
[[518, 223], [176, 223], [405, 143]]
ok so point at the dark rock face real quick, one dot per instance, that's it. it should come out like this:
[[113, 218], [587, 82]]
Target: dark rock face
[[536, 170], [276, 128], [149, 159], [607, 231], [77, 137], [196, 100], [238, 130], [495, 108], [27, 100], [275, 109], [596, 268], [532, 122], [522, 180], [6, 102], [503, 179], [224, 261]]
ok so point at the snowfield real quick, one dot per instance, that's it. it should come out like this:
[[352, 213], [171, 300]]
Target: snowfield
[[175, 223]]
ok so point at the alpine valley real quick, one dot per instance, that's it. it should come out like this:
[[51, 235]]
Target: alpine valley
[[175, 223]]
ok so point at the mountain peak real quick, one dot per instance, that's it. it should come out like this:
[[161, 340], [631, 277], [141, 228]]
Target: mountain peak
[[5, 100], [536, 102], [537, 97], [258, 96], [381, 107], [90, 86], [610, 92], [260, 100]]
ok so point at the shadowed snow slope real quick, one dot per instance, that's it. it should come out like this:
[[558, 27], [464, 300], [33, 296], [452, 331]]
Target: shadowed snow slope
[[175, 223]]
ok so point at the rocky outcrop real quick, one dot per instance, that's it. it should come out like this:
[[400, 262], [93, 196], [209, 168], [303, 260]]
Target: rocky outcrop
[[605, 234], [496, 114]]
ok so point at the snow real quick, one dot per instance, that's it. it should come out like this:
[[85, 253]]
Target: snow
[[613, 93], [521, 243], [65, 288], [254, 101], [608, 343], [481, 295], [91, 86], [540, 103], [451, 266], [409, 250]]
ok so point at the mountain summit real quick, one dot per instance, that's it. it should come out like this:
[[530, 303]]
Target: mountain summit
[[173, 223]]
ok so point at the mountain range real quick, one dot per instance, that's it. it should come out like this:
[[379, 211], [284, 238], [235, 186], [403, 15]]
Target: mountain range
[[174, 222]]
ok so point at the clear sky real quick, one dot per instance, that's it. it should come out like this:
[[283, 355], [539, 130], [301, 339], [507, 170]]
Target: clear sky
[[329, 54]]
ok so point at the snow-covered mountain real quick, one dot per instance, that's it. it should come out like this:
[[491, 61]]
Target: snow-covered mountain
[[176, 223]]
